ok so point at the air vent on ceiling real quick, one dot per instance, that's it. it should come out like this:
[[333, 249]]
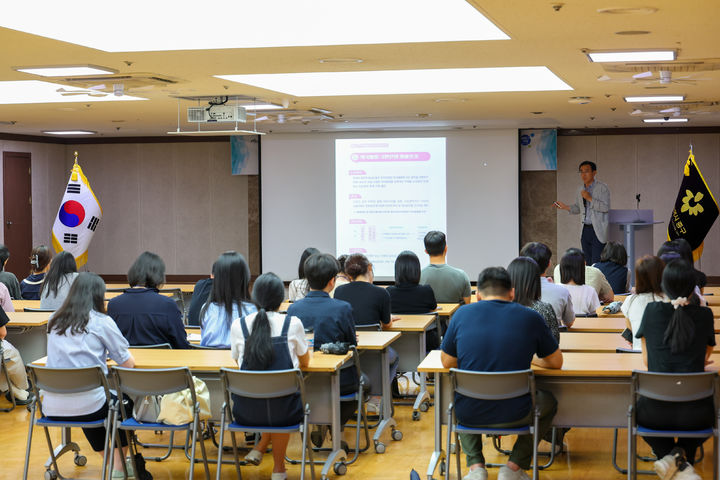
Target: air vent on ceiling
[[700, 65], [129, 80]]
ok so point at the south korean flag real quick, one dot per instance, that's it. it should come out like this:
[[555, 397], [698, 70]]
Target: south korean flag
[[78, 217]]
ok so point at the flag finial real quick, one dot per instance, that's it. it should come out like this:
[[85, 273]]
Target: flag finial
[[76, 155]]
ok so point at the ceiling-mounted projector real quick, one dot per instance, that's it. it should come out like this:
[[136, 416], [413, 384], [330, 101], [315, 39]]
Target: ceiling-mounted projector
[[216, 113]]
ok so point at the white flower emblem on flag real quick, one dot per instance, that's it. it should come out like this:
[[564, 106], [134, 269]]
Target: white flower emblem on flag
[[78, 217]]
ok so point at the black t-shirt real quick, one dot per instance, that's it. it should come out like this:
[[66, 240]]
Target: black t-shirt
[[200, 295], [654, 322], [615, 274], [409, 298], [370, 304], [4, 319]]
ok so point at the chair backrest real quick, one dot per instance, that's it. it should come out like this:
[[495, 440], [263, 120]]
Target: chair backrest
[[262, 384], [30, 309], [674, 387], [493, 385], [163, 346], [136, 382], [67, 380]]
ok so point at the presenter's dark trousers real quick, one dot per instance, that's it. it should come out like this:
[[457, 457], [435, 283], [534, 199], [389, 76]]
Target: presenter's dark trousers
[[591, 246]]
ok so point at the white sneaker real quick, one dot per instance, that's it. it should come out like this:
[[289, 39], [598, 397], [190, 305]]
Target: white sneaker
[[666, 467], [372, 408], [479, 473], [687, 474], [507, 474]]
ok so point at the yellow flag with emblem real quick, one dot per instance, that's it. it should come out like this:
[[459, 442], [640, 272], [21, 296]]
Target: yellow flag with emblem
[[78, 217], [695, 208]]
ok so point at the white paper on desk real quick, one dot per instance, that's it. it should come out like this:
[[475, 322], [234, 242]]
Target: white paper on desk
[[194, 337]]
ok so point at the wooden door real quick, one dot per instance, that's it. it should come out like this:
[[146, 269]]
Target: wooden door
[[17, 211]]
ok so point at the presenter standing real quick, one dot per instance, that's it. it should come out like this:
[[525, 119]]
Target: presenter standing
[[592, 202]]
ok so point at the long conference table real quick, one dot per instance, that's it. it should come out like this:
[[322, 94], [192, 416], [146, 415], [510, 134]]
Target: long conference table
[[592, 390]]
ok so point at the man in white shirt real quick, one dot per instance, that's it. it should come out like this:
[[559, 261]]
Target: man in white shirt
[[552, 293]]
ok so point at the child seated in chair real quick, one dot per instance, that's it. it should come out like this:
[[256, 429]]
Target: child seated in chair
[[17, 385]]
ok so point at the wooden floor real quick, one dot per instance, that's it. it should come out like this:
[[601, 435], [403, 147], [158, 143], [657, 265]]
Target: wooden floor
[[587, 455]]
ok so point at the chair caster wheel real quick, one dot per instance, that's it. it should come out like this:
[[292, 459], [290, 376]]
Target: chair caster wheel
[[424, 406], [340, 468], [51, 475], [379, 447], [416, 416], [80, 460], [397, 435]]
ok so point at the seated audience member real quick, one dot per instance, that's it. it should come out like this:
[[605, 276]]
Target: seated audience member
[[648, 278], [268, 340], [298, 288], [680, 248], [143, 315], [593, 277], [8, 278], [200, 295], [677, 337], [229, 299], [17, 385], [525, 276], [613, 264], [556, 295], [497, 335], [370, 306], [81, 335], [39, 262], [407, 295], [450, 284], [6, 304], [341, 278], [58, 280], [332, 321], [572, 274]]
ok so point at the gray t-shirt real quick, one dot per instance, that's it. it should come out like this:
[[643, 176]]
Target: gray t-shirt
[[449, 284], [12, 284], [48, 300]]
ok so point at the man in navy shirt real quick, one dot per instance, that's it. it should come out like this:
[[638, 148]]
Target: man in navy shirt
[[496, 335], [330, 319]]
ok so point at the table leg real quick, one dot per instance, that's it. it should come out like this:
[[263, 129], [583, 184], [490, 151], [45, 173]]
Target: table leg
[[337, 454], [438, 454], [387, 418], [66, 445]]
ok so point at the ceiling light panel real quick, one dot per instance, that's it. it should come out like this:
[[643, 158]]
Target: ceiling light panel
[[637, 56], [69, 132], [655, 98], [394, 82], [36, 91], [66, 71], [343, 22], [665, 120]]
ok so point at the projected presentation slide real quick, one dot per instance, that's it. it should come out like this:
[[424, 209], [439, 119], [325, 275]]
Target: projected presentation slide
[[389, 193]]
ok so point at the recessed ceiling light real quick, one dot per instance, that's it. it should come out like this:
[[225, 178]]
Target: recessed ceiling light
[[66, 70], [69, 132], [36, 91], [450, 100], [104, 26], [537, 113], [665, 120], [579, 100], [261, 106], [398, 82], [655, 98], [633, 32], [632, 56], [628, 10], [341, 60]]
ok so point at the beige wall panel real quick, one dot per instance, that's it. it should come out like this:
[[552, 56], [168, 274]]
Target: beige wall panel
[[707, 155], [113, 171], [157, 203], [571, 152], [192, 202], [229, 212], [617, 164]]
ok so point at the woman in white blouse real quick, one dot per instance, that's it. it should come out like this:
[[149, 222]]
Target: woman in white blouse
[[298, 288], [648, 278], [572, 275]]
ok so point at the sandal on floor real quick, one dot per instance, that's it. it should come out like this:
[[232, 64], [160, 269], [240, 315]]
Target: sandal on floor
[[254, 457]]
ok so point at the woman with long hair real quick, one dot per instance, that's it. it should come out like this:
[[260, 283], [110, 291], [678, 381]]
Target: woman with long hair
[[39, 260], [648, 289], [298, 288], [268, 340], [677, 337], [80, 334], [229, 299], [525, 276], [143, 315], [572, 275], [58, 280]]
